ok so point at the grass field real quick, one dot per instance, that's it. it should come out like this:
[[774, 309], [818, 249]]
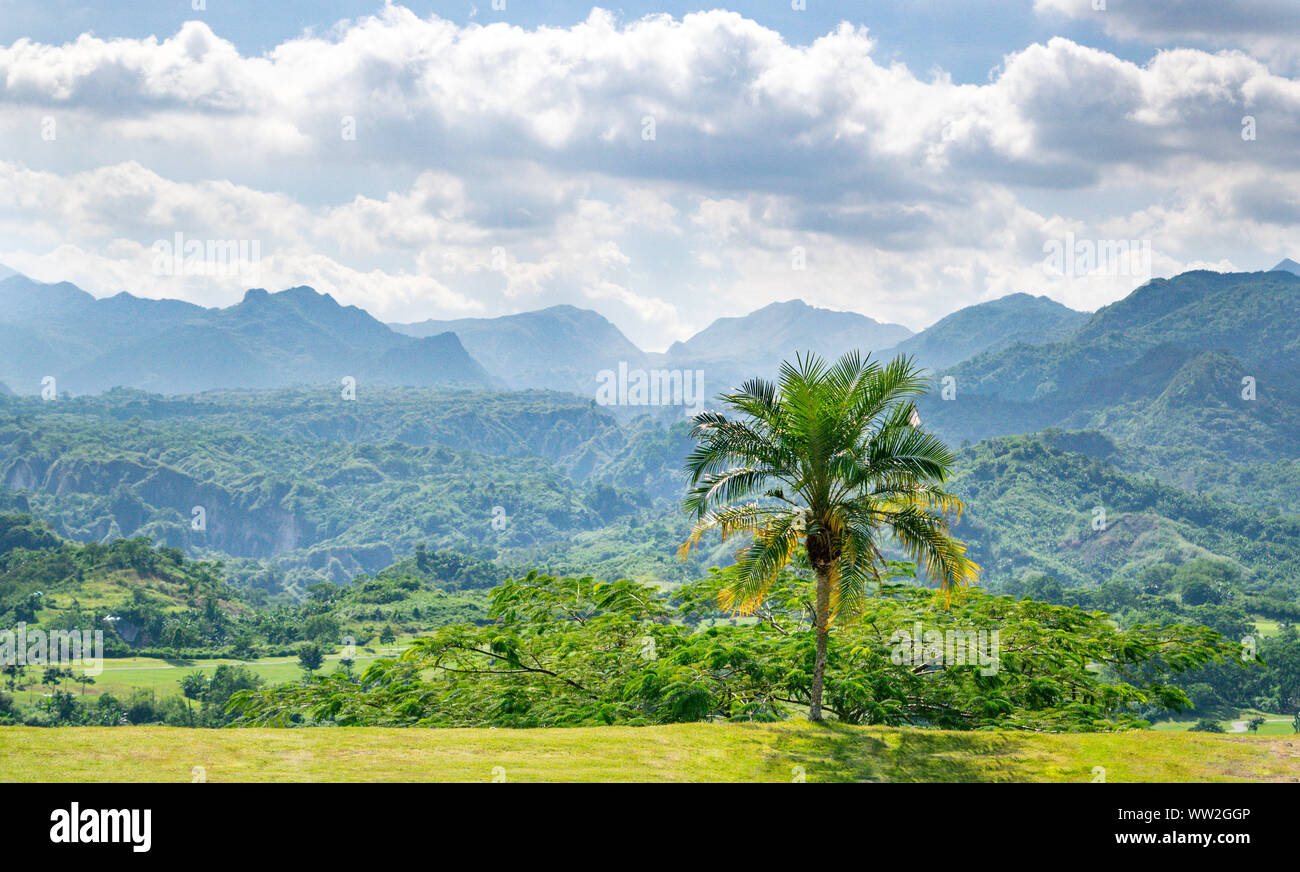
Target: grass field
[[685, 752], [120, 676], [1275, 724], [1267, 627]]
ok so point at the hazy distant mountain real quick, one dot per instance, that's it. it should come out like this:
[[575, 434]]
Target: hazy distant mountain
[[776, 331], [990, 326], [6, 272], [22, 300], [430, 360], [268, 340], [184, 359], [560, 348], [732, 350], [1287, 265], [1019, 363]]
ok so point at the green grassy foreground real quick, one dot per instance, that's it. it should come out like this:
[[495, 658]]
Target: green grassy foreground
[[683, 752]]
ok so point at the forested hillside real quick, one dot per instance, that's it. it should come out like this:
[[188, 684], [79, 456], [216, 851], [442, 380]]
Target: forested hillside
[[1206, 360], [1038, 507], [307, 486], [154, 599], [989, 327]]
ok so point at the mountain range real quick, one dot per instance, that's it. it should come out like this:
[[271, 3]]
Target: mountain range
[[1211, 354], [1179, 347], [299, 336], [991, 326], [559, 348], [296, 336], [767, 336]]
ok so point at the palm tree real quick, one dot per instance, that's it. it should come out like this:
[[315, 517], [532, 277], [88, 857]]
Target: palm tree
[[832, 458]]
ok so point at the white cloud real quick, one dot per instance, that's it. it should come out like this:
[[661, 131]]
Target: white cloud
[[1268, 28], [497, 168]]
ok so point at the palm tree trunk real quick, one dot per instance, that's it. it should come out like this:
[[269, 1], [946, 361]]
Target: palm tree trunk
[[822, 620]]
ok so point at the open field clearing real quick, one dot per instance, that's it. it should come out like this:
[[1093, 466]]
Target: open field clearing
[[121, 676]]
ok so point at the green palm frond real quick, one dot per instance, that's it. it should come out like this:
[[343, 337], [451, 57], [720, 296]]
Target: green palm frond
[[859, 570], [925, 538], [730, 521], [758, 563]]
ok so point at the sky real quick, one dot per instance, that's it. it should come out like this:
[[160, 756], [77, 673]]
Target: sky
[[663, 164]]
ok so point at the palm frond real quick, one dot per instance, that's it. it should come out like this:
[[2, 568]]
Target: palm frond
[[758, 563]]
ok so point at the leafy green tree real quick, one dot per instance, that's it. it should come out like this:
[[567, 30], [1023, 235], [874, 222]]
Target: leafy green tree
[[577, 652], [225, 682], [1206, 725], [321, 628], [54, 674], [1200, 591], [1155, 578], [323, 592], [1044, 588], [193, 685], [310, 657], [62, 708], [831, 459]]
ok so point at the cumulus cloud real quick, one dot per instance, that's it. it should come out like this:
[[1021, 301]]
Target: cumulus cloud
[[1161, 20], [661, 170], [1268, 28]]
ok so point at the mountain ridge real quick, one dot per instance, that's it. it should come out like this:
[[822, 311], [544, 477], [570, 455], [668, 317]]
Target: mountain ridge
[[783, 328], [1202, 359], [990, 326], [1018, 347], [295, 336], [540, 349]]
